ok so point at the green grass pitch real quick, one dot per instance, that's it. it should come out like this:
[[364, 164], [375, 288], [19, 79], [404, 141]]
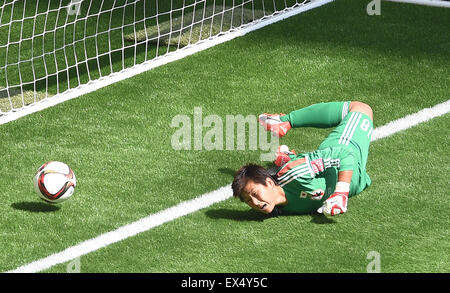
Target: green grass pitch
[[118, 142]]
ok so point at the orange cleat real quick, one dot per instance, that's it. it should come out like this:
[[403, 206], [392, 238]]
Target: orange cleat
[[273, 123]]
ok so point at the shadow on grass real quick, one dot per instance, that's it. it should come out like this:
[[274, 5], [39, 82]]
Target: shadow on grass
[[235, 215], [255, 216], [35, 207], [227, 171], [401, 30], [321, 219]]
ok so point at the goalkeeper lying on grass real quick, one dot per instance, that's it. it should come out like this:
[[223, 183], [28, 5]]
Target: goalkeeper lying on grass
[[319, 181]]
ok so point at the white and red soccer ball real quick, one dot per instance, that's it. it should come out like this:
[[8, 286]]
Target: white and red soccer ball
[[54, 182]]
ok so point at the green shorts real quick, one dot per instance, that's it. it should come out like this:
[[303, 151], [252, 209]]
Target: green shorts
[[355, 132]]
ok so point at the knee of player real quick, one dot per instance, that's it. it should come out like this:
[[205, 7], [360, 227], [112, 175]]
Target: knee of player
[[361, 107]]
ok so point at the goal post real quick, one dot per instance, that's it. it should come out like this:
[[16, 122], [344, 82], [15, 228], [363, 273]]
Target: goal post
[[55, 50]]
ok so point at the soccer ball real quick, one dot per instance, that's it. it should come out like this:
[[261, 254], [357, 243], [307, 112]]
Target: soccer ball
[[54, 182]]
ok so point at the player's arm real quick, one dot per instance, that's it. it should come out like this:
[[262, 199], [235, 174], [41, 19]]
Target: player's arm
[[345, 176], [338, 201], [333, 157], [343, 160]]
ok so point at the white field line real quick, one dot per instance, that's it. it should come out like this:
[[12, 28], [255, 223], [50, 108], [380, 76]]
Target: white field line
[[436, 3], [200, 202], [127, 231], [411, 120], [94, 85]]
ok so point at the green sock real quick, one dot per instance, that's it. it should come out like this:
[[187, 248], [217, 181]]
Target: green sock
[[322, 115]]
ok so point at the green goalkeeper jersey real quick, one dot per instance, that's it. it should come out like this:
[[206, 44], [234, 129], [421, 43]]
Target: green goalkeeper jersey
[[313, 173]]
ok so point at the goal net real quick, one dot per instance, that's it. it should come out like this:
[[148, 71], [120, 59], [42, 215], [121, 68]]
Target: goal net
[[49, 48]]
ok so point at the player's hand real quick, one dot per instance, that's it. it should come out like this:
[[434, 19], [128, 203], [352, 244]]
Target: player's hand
[[337, 202], [283, 155], [273, 123]]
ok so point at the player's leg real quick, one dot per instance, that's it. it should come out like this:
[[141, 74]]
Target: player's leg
[[361, 107], [355, 127], [322, 115], [362, 137]]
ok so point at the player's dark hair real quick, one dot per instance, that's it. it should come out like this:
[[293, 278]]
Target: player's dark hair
[[253, 172]]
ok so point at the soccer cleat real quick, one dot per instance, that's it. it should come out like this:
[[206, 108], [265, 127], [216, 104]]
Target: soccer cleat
[[335, 204], [273, 123], [283, 155]]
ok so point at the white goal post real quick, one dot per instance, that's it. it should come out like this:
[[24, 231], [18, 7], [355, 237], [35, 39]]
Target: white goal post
[[55, 50]]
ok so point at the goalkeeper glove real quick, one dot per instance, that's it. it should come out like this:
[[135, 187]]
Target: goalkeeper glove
[[337, 202], [283, 155], [273, 123]]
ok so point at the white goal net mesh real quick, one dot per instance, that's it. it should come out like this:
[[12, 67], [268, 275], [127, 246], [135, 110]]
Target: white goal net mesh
[[48, 47]]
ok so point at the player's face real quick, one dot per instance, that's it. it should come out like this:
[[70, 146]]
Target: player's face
[[260, 197]]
